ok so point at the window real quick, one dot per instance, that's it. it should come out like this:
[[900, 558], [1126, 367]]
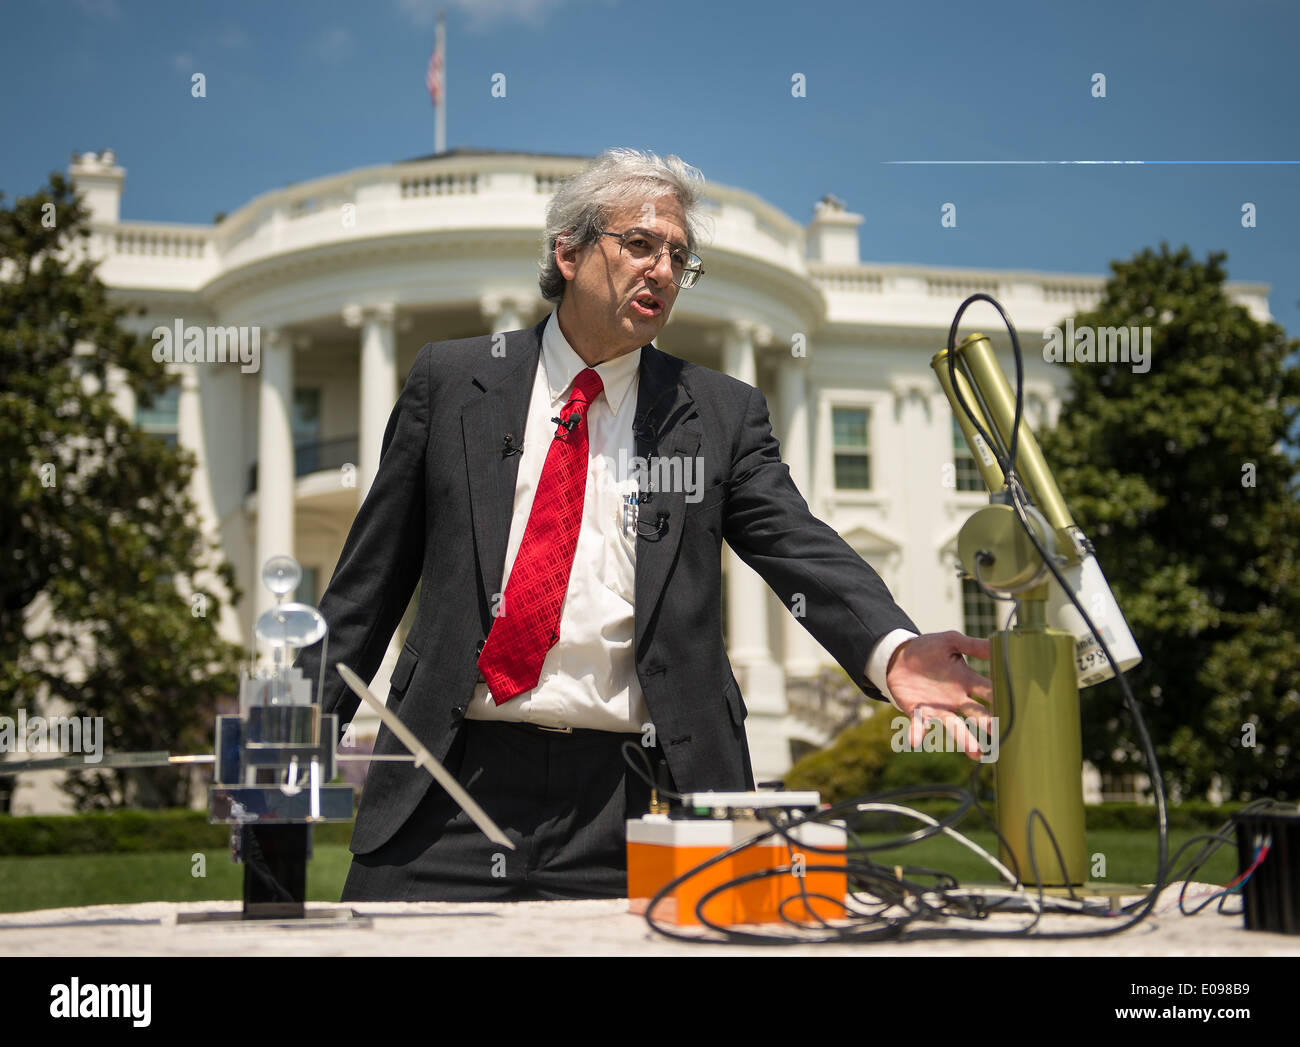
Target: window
[[850, 428], [307, 592], [162, 418], [1035, 412], [968, 474], [306, 431], [979, 616]]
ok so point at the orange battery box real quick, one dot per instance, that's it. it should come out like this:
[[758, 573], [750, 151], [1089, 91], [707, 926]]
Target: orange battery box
[[660, 849]]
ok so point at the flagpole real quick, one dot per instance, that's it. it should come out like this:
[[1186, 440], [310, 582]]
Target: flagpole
[[440, 110]]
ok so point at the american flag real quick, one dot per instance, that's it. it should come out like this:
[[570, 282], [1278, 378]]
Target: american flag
[[433, 77]]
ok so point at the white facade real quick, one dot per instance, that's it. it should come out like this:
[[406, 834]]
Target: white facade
[[345, 278]]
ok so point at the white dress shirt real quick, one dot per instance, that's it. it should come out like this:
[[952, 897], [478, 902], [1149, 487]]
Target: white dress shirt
[[588, 678]]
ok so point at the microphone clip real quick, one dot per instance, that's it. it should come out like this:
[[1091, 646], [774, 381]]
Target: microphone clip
[[568, 425], [660, 526]]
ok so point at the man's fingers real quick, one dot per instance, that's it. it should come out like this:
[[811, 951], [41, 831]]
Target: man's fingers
[[957, 728], [972, 710], [916, 731], [971, 645], [962, 736], [977, 685]]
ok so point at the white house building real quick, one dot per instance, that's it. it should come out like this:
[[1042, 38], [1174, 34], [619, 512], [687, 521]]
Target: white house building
[[341, 280]]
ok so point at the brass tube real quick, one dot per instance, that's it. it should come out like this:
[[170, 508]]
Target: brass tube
[[984, 460], [987, 374]]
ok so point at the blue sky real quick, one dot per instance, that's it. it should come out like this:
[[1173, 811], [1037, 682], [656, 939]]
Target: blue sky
[[296, 90]]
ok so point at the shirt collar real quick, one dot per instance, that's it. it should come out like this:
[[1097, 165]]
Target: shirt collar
[[563, 365]]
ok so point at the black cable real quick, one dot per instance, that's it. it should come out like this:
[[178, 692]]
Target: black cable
[[876, 926], [902, 889], [647, 774], [1148, 902], [982, 558], [1214, 840], [1006, 463], [1157, 784], [1014, 487]]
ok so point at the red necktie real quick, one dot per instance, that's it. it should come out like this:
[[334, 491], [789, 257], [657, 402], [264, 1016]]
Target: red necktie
[[529, 623]]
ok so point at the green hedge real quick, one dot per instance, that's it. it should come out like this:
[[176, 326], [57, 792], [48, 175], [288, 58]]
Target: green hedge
[[1125, 816], [185, 830], [128, 831], [861, 762]]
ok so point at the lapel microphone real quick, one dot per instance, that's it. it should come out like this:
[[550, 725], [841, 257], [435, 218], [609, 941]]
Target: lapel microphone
[[508, 446], [660, 525]]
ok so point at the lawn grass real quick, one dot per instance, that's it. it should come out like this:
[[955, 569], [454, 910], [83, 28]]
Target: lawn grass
[[55, 881], [1130, 857]]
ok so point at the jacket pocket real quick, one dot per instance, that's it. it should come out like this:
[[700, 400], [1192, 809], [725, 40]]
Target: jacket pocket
[[710, 498], [402, 673]]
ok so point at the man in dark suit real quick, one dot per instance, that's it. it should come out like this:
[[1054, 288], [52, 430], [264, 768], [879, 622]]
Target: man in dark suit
[[566, 607]]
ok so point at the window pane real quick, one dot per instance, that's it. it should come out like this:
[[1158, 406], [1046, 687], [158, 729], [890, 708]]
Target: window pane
[[853, 471], [850, 426], [306, 592], [306, 415], [968, 474], [306, 431], [164, 412], [979, 618]]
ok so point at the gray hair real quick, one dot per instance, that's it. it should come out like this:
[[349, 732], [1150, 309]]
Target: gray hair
[[615, 179]]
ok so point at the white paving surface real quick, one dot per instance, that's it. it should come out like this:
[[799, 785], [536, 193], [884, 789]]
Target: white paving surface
[[574, 928]]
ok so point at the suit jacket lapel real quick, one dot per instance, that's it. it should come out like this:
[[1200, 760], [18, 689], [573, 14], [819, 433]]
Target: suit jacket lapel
[[506, 384], [666, 427]]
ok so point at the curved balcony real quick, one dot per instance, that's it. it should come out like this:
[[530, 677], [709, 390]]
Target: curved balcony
[[469, 200]]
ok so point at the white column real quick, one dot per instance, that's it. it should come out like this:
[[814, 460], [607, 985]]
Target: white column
[[504, 312], [919, 478], [378, 361], [378, 384], [275, 468], [121, 391], [746, 600], [189, 434], [195, 385], [802, 653], [761, 679]]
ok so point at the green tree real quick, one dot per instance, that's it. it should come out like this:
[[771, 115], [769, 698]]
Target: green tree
[[862, 760], [1182, 478], [100, 557]]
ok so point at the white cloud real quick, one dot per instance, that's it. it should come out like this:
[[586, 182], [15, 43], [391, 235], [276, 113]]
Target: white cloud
[[333, 45], [233, 37]]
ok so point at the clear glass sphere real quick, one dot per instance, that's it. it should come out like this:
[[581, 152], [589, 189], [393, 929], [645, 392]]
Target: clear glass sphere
[[281, 574], [290, 625]]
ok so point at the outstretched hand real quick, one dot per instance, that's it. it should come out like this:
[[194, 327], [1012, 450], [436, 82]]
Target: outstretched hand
[[930, 680]]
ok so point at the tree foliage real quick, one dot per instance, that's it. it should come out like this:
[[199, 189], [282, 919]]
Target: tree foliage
[[101, 559], [1182, 478], [862, 760]]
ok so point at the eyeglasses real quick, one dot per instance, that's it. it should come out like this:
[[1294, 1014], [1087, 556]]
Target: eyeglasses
[[644, 248]]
